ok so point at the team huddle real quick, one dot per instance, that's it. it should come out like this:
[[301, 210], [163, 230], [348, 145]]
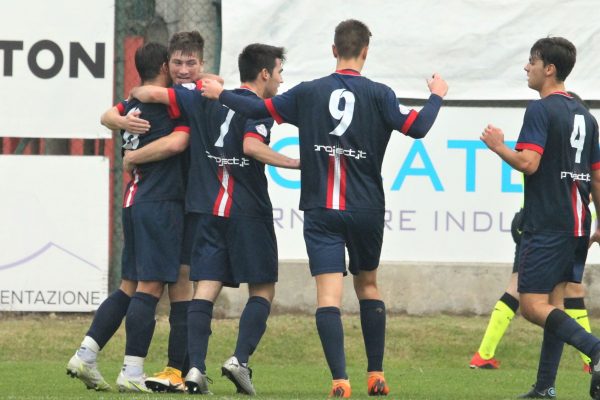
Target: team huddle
[[197, 208]]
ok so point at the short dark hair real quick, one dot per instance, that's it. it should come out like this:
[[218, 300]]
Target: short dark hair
[[189, 43], [257, 56], [558, 51], [149, 59], [351, 36]]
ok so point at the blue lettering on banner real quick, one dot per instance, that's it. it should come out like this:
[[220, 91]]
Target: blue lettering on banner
[[428, 170], [275, 175]]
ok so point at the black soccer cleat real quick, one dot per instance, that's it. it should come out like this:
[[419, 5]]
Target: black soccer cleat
[[548, 393]]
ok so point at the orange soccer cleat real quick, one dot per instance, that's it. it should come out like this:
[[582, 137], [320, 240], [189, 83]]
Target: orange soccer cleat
[[376, 385]]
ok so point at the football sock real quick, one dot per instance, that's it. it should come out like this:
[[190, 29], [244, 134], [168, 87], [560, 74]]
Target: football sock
[[88, 351], [199, 319], [569, 331], [331, 333], [575, 308], [108, 317], [177, 350], [372, 321], [504, 312], [253, 324], [139, 324], [552, 348], [133, 366]]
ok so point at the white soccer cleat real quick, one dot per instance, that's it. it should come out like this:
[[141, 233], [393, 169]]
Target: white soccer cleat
[[240, 375], [87, 373], [132, 383], [197, 382]]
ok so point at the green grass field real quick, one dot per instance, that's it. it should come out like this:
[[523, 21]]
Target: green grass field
[[426, 358]]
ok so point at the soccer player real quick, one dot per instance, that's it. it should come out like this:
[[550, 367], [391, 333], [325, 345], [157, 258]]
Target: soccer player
[[558, 152], [152, 222], [186, 62], [506, 307], [227, 196], [345, 121]]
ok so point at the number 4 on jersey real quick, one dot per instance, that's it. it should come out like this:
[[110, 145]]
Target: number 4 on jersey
[[578, 136]]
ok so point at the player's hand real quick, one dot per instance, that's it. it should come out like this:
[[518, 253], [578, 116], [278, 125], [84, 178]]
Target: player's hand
[[213, 77], [437, 85], [128, 166], [493, 137], [211, 89], [594, 238], [295, 164], [132, 123]]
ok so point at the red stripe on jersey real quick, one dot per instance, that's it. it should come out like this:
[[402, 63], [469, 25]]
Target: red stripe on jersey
[[230, 185], [221, 193], [121, 108], [530, 146], [182, 128], [271, 107], [342, 182], [255, 136], [578, 210], [173, 108], [596, 166], [199, 84], [562, 93], [347, 71], [412, 115], [131, 190], [330, 177]]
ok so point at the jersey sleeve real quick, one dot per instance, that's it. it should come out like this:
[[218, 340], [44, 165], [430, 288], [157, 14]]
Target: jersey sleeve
[[122, 107], [534, 131], [259, 129], [181, 125], [410, 122], [284, 107], [183, 99], [595, 159]]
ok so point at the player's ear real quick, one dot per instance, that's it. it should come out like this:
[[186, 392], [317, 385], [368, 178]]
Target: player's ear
[[550, 69], [363, 52], [334, 51], [264, 74]]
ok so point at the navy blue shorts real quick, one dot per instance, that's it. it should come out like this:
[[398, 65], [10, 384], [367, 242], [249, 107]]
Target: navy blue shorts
[[234, 250], [153, 233], [189, 229], [516, 260], [328, 233], [547, 259]]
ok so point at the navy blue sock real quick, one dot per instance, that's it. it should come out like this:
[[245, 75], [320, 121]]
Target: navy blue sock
[[199, 318], [331, 332], [139, 324], [569, 331], [253, 324], [372, 321], [552, 348], [178, 335], [108, 317]]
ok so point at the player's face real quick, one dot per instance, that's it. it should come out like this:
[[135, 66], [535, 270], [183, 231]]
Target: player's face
[[535, 73], [274, 80], [185, 68]]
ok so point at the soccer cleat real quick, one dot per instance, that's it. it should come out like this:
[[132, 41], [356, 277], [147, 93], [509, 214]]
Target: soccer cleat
[[167, 380], [478, 362], [240, 375], [595, 382], [197, 382], [87, 373], [548, 393], [340, 388], [376, 385], [132, 384]]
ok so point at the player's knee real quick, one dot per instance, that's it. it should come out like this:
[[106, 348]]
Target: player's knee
[[153, 288], [128, 287], [264, 290]]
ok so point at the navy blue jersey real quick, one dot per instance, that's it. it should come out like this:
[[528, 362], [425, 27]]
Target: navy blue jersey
[[222, 181], [566, 135], [159, 180], [345, 121]]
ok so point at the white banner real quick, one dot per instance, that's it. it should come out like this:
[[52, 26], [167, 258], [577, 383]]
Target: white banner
[[479, 47], [56, 68], [54, 233], [448, 198]]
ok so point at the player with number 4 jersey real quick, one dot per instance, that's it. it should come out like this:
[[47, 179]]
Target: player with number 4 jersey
[[345, 121]]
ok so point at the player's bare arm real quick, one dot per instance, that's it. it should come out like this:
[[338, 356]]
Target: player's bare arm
[[113, 120], [525, 161], [160, 149], [211, 89], [263, 153], [595, 189], [151, 94]]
